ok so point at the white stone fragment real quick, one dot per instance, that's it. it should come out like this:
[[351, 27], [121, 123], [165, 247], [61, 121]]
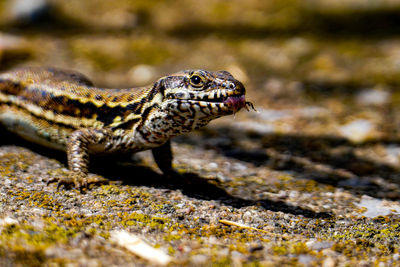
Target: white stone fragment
[[376, 207], [199, 259], [313, 112], [314, 244], [357, 130], [212, 166], [8, 221], [306, 260], [237, 167], [28, 9], [373, 97], [140, 248], [329, 262], [9, 41], [393, 154]]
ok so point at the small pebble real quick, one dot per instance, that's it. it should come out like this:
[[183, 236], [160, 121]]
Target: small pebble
[[223, 252], [306, 259], [212, 166], [237, 256], [373, 97], [29, 11], [199, 259], [180, 205], [319, 245], [294, 194], [8, 221], [223, 178], [328, 262], [377, 207], [357, 130], [393, 154], [238, 167], [247, 215]]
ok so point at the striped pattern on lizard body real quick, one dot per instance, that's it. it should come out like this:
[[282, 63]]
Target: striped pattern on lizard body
[[63, 110]]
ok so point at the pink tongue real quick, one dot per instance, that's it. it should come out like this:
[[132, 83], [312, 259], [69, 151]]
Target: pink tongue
[[237, 102]]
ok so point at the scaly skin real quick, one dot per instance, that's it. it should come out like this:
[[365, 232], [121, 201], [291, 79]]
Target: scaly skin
[[63, 110]]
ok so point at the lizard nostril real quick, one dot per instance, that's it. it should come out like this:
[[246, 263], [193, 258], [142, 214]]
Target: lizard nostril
[[179, 95]]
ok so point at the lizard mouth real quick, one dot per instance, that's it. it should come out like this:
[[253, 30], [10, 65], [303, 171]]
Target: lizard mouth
[[217, 105], [234, 102]]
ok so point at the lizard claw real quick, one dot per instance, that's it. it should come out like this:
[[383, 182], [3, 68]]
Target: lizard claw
[[77, 181], [67, 182]]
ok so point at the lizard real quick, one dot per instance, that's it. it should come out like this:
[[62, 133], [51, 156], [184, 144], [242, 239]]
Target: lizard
[[62, 109]]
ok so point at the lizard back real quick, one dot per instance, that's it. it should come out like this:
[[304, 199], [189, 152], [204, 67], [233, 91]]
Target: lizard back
[[46, 105]]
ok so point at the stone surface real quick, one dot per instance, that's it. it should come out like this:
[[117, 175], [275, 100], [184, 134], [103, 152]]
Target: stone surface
[[312, 178]]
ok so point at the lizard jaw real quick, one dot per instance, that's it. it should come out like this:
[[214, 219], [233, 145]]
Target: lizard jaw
[[235, 102]]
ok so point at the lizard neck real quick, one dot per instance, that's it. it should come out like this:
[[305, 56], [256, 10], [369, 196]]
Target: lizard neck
[[163, 121]]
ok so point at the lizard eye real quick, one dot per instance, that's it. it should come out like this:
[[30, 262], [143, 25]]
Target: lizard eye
[[196, 81]]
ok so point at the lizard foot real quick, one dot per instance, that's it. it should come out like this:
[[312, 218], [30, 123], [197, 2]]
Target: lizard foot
[[78, 181]]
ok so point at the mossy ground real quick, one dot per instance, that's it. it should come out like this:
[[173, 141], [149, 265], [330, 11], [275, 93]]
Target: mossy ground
[[298, 172]]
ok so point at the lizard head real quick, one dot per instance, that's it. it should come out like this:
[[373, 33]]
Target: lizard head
[[189, 100], [203, 94]]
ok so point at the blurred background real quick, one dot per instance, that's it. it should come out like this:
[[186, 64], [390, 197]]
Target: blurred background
[[324, 76], [311, 67]]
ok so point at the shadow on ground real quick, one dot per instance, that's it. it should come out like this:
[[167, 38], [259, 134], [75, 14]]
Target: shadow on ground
[[325, 159], [191, 184]]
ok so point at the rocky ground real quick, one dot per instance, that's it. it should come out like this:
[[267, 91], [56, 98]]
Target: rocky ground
[[311, 178]]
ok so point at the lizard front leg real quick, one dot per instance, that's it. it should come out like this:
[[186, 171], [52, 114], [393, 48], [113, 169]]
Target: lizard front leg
[[78, 155], [163, 157]]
